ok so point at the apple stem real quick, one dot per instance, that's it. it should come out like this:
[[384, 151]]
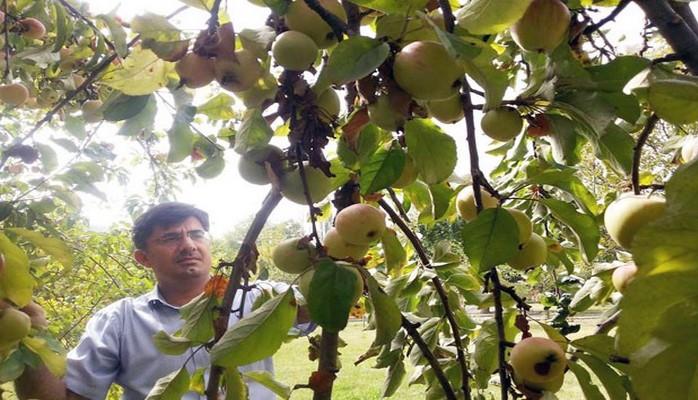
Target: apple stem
[[637, 151], [240, 266]]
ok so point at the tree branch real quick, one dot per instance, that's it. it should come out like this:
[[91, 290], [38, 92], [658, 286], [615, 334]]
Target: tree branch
[[213, 21], [76, 13], [637, 151], [338, 26], [6, 46], [398, 205], [674, 29], [499, 318], [327, 364], [240, 272], [684, 10], [610, 17]]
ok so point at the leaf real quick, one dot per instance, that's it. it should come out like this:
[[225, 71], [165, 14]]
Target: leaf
[[212, 167], [16, 282], [331, 295], [441, 195], [171, 345], [117, 34], [142, 123], [49, 158], [392, 6], [54, 247], [395, 254], [396, 374], [584, 227], [566, 180], [200, 4], [254, 132], [155, 27], [490, 239], [591, 391], [355, 58], [141, 73], [600, 346], [615, 147], [386, 313], [172, 386], [198, 319], [54, 361], [11, 367], [258, 40], [258, 335], [63, 26], [120, 107], [219, 107], [266, 378], [381, 169], [610, 379], [482, 17], [614, 75], [181, 140], [565, 142], [235, 386], [675, 100], [433, 151]]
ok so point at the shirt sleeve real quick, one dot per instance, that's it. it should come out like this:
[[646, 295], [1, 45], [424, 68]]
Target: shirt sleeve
[[94, 363]]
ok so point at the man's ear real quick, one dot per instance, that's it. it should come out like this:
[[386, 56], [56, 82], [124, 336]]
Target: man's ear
[[141, 257]]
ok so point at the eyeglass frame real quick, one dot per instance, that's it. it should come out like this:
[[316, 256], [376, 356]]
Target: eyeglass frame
[[174, 238]]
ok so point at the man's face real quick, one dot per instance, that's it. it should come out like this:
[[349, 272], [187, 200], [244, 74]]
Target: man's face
[[177, 253]]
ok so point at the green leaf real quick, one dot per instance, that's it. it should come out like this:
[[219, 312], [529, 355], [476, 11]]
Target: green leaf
[[63, 26], [11, 367], [117, 34], [395, 254], [418, 193], [198, 319], [490, 239], [566, 180], [49, 158], [482, 17], [266, 378], [235, 386], [441, 195], [54, 247], [170, 387], [355, 58], [16, 282], [142, 123], [386, 313], [120, 107], [392, 6], [613, 75], [396, 374], [675, 100], [219, 107], [141, 73], [181, 140], [600, 346], [258, 335], [381, 169], [54, 361], [212, 167], [591, 391], [433, 151], [615, 147], [154, 26], [331, 295], [257, 40], [584, 227], [254, 132], [171, 345], [610, 379], [565, 142], [200, 4]]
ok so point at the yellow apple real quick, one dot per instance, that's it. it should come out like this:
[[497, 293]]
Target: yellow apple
[[466, 203], [523, 223], [239, 73], [447, 111], [408, 175], [360, 224], [426, 71], [538, 360], [294, 255], [531, 254], [32, 28], [623, 275], [294, 50], [543, 26], [625, 216], [338, 248]]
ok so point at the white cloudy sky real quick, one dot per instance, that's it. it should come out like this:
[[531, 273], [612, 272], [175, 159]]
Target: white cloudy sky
[[227, 198]]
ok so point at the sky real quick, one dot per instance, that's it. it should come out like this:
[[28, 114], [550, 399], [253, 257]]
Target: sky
[[227, 198]]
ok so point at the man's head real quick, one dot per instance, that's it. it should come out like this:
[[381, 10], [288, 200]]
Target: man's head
[[172, 239]]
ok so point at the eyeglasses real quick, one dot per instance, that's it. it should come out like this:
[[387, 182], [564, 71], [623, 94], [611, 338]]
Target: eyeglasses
[[174, 238]]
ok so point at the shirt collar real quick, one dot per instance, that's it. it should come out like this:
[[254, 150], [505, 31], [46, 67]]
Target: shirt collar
[[154, 298]]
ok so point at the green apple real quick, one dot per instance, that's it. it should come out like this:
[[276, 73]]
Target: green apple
[[301, 18], [465, 203], [92, 111], [538, 360], [338, 248], [531, 254], [502, 123], [382, 114], [252, 165], [14, 326], [195, 71], [319, 185], [426, 71], [294, 50], [523, 223], [360, 224], [408, 175], [623, 275], [447, 111], [543, 26], [294, 255], [328, 105], [625, 216], [238, 73]]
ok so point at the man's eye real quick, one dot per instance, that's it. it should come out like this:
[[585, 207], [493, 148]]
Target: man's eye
[[197, 235], [168, 239]]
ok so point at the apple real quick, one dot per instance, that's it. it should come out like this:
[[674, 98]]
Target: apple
[[539, 126], [294, 50], [426, 71], [36, 314], [626, 215], [195, 71], [531, 254], [360, 224], [538, 360], [466, 203], [553, 386], [252, 165], [32, 28], [294, 255], [14, 94], [92, 111], [301, 18], [328, 105], [689, 149], [623, 275], [338, 248], [263, 90], [447, 111], [239, 73], [319, 185], [408, 175], [502, 123], [225, 48], [523, 223], [543, 26], [307, 278], [382, 114], [14, 326]]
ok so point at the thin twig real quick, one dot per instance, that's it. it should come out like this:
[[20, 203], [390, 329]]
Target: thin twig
[[604, 326], [610, 17], [398, 205], [499, 318], [338, 26], [6, 32], [76, 13], [637, 151]]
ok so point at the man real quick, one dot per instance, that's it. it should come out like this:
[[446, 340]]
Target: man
[[171, 239]]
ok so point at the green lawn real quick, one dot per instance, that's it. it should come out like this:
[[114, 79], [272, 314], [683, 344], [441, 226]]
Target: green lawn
[[363, 382]]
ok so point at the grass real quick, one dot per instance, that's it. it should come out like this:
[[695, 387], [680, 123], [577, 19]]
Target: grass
[[363, 382]]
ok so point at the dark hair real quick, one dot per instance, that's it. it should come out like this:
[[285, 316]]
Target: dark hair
[[164, 215]]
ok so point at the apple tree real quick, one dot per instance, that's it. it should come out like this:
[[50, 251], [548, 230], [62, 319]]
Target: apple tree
[[373, 99]]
